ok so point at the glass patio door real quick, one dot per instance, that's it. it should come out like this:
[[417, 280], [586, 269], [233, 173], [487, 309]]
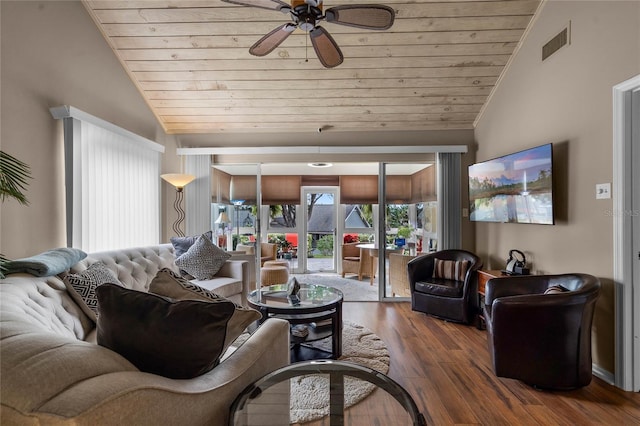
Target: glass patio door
[[409, 223], [319, 234]]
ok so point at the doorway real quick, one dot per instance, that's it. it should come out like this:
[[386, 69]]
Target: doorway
[[626, 231], [320, 229]]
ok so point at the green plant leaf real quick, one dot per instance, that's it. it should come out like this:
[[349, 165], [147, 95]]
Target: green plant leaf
[[3, 269], [14, 176]]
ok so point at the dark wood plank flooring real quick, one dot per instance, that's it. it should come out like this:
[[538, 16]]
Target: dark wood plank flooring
[[446, 369]]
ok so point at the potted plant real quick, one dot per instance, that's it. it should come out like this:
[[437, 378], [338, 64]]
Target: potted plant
[[285, 246], [14, 175], [403, 233]]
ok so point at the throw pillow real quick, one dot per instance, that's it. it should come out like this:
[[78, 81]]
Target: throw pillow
[[82, 286], [176, 339], [556, 289], [168, 283], [203, 259], [450, 269], [182, 244]]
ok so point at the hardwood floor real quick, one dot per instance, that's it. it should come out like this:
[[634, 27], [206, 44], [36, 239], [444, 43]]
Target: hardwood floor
[[446, 369]]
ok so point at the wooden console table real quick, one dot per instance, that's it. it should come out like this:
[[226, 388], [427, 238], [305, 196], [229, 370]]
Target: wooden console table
[[483, 277]]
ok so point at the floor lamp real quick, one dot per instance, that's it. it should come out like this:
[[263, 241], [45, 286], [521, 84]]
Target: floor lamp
[[179, 181]]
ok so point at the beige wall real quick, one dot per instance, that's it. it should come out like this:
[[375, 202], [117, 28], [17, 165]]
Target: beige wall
[[566, 100], [52, 54]]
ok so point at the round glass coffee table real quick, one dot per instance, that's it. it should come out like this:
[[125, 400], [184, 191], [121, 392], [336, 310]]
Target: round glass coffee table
[[268, 401], [317, 307]]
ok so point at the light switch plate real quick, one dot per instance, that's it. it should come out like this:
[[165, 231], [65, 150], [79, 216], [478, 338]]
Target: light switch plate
[[465, 212], [603, 191]]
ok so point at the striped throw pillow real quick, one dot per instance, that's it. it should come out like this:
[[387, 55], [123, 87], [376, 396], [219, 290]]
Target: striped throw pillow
[[450, 269]]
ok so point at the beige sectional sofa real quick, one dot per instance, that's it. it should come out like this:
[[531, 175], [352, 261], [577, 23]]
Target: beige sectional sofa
[[53, 372]]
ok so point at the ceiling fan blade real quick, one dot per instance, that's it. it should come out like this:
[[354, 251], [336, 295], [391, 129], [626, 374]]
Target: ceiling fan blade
[[326, 48], [263, 4], [367, 16], [269, 42]]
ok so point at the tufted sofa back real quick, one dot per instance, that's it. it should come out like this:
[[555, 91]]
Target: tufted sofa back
[[45, 332], [44, 346], [134, 267]]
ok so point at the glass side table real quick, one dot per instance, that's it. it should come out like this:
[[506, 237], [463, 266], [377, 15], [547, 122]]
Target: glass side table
[[266, 402]]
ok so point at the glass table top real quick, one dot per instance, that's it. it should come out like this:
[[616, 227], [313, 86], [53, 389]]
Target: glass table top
[[268, 401], [309, 296]]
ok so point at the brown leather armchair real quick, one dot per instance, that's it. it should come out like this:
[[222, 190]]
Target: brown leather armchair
[[541, 339], [453, 300]]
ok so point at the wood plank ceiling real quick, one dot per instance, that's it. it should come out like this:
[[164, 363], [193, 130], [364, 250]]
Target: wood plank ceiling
[[433, 70]]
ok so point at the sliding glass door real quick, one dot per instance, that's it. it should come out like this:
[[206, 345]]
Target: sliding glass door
[[410, 215]]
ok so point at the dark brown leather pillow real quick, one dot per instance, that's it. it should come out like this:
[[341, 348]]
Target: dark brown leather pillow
[[176, 339]]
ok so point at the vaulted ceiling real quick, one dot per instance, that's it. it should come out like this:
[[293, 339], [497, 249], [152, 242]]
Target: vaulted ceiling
[[433, 70]]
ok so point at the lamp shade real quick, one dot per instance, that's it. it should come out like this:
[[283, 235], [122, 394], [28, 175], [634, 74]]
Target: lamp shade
[[178, 180], [222, 218]]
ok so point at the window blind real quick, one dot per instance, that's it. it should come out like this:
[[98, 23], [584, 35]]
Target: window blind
[[450, 225], [197, 195], [113, 184]]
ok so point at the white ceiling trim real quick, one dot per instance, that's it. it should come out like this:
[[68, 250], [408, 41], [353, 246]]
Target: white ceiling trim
[[293, 150]]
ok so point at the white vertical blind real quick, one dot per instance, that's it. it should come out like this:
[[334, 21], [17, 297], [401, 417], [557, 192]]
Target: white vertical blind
[[198, 195], [450, 214], [113, 178]]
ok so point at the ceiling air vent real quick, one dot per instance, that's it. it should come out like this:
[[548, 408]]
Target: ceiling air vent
[[553, 45]]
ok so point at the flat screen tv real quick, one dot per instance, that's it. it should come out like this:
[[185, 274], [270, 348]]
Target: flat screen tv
[[516, 188]]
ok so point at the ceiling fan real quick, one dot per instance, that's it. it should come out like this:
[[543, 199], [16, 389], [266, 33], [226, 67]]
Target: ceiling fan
[[306, 14]]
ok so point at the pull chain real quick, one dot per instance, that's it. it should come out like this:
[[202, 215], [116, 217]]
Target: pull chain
[[306, 48]]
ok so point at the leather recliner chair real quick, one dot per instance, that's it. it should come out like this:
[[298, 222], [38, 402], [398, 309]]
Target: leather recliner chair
[[541, 339], [444, 298]]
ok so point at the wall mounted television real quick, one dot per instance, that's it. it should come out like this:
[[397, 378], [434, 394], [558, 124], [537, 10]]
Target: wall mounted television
[[515, 188]]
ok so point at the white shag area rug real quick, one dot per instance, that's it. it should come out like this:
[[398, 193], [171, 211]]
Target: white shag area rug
[[310, 394]]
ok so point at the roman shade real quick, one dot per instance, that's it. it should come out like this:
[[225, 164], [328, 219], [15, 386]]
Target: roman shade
[[244, 188], [359, 189], [398, 189], [220, 187], [423, 185], [281, 190]]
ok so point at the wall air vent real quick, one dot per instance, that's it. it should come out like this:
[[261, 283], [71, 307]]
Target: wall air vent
[[560, 40]]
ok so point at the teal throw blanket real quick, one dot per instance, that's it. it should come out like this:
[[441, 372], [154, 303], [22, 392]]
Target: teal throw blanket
[[51, 262]]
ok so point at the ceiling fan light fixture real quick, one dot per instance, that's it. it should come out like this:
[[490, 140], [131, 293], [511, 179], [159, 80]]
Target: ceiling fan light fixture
[[315, 3], [306, 14]]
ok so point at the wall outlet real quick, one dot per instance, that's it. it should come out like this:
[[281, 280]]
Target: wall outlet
[[603, 191]]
